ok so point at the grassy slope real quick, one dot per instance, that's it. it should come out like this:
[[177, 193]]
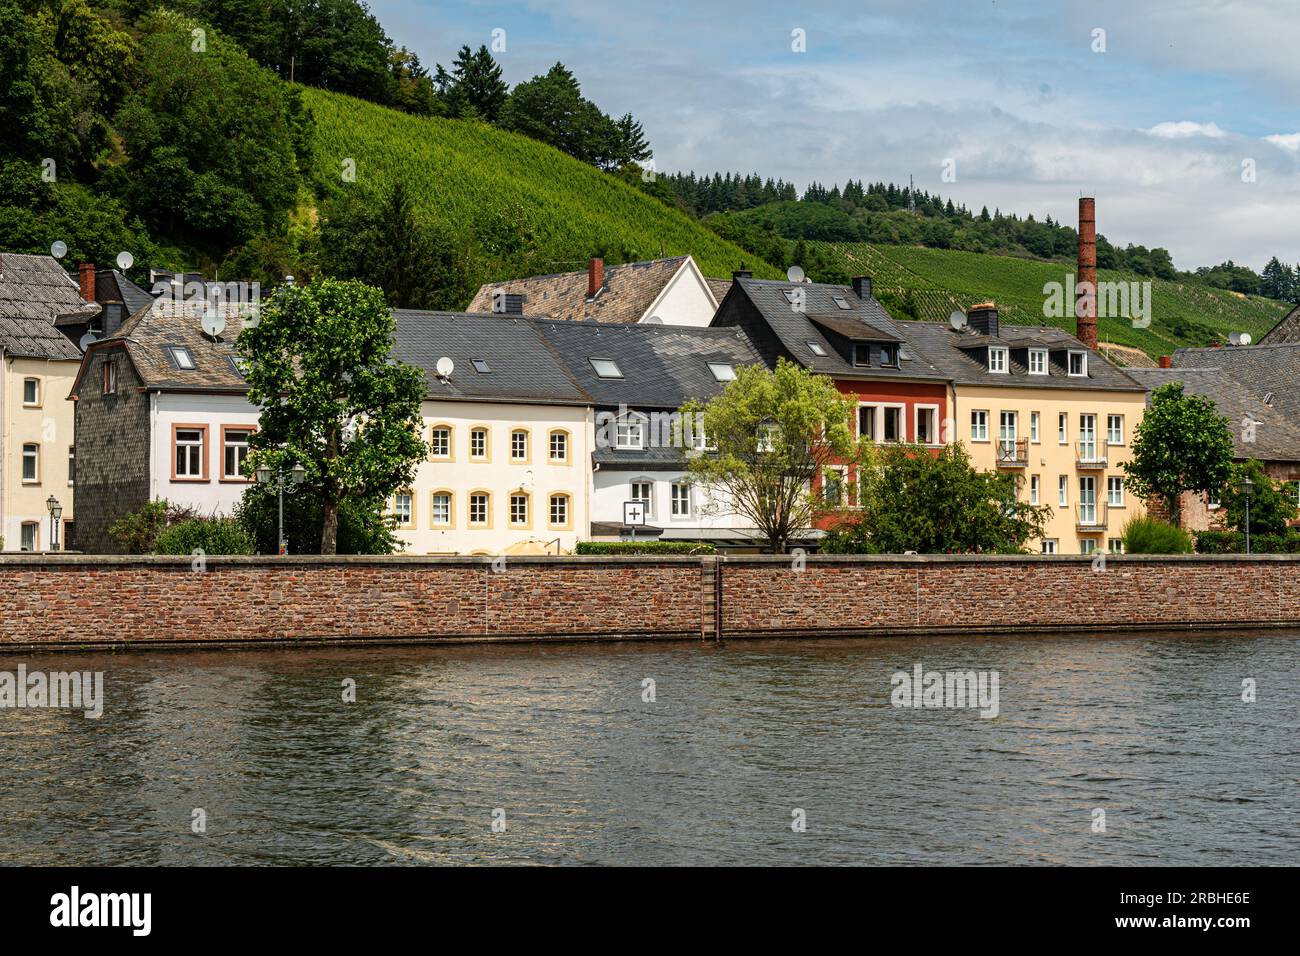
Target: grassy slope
[[462, 173], [1181, 313]]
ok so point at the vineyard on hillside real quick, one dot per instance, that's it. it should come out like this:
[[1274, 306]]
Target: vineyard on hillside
[[931, 283], [513, 194]]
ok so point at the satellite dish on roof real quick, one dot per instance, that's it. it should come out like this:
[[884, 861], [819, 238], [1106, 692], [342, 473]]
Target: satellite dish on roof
[[445, 367], [125, 260], [214, 323], [59, 249], [88, 340], [794, 274], [653, 320], [1239, 338], [957, 320]]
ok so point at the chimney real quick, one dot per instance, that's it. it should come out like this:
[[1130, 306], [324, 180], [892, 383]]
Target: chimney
[[742, 274], [87, 281], [862, 286], [595, 277], [1166, 362], [983, 318], [1086, 307]]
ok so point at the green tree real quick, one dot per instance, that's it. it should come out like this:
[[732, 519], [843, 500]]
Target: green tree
[[913, 500], [331, 396], [771, 436], [417, 265], [1181, 444], [1272, 504], [364, 528], [475, 87]]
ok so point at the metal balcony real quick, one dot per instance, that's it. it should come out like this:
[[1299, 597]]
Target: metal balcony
[[1090, 518], [1091, 455], [1013, 452]]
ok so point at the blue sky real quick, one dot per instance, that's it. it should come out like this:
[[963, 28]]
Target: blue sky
[[1158, 126]]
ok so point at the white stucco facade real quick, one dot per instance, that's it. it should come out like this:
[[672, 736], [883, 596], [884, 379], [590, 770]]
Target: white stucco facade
[[200, 479], [685, 300], [682, 513]]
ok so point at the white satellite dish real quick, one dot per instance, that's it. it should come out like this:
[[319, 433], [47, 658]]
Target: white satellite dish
[[794, 274], [445, 367], [1245, 339], [125, 260], [653, 320], [88, 340], [214, 323], [957, 320], [59, 249]]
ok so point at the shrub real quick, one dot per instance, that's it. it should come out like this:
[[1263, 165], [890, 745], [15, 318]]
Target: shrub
[[645, 547], [137, 532], [1152, 536], [363, 528], [209, 535], [1234, 542]]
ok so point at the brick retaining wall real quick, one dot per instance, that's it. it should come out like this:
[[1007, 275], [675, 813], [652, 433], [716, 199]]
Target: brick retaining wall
[[70, 600]]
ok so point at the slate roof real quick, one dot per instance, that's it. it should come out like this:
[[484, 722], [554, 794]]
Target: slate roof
[[1277, 437], [150, 332], [719, 287], [523, 368], [1261, 368], [663, 366], [113, 286], [34, 293], [1286, 331], [943, 346], [629, 290], [794, 330]]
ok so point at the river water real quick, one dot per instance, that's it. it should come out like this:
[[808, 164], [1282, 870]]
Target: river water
[[740, 743]]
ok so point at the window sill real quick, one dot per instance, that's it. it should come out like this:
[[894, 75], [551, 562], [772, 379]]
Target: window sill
[[184, 480]]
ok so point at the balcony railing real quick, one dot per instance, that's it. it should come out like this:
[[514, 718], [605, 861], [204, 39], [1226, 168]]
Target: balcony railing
[[1013, 452], [1090, 516], [1091, 454]]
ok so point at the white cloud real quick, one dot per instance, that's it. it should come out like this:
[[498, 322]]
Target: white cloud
[[1185, 128], [1289, 141]]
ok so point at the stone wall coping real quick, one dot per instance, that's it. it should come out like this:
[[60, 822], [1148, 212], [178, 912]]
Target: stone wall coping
[[63, 560]]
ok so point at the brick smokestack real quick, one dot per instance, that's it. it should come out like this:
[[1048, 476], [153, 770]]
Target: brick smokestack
[[595, 277], [1086, 307], [86, 275], [1166, 362]]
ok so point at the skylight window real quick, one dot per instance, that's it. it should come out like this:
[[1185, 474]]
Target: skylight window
[[183, 359], [481, 366], [839, 301], [723, 371], [816, 349], [606, 368]]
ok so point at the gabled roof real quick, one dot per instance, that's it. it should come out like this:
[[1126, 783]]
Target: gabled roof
[[522, 367], [1277, 437], [35, 292], [663, 366], [151, 333], [1261, 368], [627, 295], [113, 286], [948, 350], [1287, 330], [864, 319]]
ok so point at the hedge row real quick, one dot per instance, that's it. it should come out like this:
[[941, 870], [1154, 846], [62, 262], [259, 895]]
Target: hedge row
[[645, 547], [1234, 542]]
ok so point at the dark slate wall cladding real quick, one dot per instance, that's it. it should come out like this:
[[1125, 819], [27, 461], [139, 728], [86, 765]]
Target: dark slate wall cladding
[[112, 437]]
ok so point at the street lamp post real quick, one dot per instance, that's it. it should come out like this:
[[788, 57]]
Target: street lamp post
[[278, 481], [56, 512], [1246, 486]]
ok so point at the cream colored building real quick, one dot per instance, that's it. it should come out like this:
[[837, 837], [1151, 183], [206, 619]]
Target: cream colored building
[[1035, 402], [38, 364]]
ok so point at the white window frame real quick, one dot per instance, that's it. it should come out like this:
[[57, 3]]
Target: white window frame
[[1063, 428], [404, 519], [39, 388], [629, 433], [1002, 365], [1034, 435], [31, 452], [227, 444], [1111, 545], [1035, 489], [433, 509], [900, 410], [1050, 546], [1083, 363], [475, 432], [434, 454], [648, 500], [1113, 483], [1112, 428], [875, 420], [36, 536], [201, 445], [1038, 361], [678, 492], [1063, 491], [932, 412], [723, 371], [979, 425]]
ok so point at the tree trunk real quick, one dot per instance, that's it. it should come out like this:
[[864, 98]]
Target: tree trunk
[[1175, 510], [329, 534]]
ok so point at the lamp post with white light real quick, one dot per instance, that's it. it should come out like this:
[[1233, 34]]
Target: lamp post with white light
[[1247, 486], [280, 482], [56, 512]]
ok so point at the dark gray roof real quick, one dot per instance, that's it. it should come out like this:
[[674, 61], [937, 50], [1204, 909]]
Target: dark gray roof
[[522, 367], [821, 311], [1277, 437], [34, 293], [663, 366], [943, 347], [1261, 368], [1286, 331]]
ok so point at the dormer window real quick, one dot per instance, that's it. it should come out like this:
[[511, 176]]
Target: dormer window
[[1078, 364], [889, 356], [861, 354], [1038, 361], [816, 349], [606, 368], [723, 371], [629, 433], [998, 359], [182, 358]]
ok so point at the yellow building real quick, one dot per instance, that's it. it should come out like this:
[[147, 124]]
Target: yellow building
[[38, 367], [1035, 402]]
